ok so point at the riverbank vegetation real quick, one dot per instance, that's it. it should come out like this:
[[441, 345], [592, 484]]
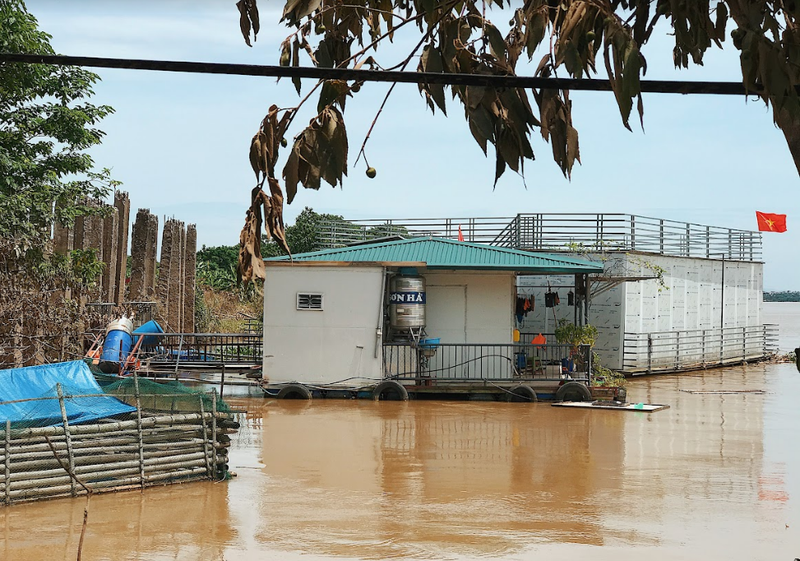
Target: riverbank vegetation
[[46, 176], [782, 296]]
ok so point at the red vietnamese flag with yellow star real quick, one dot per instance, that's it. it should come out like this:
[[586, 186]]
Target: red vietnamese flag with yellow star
[[769, 222]]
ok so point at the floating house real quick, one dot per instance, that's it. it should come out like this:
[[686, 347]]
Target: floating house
[[671, 295], [430, 316]]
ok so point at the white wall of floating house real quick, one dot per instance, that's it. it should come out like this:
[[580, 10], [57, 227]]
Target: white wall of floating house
[[690, 303]]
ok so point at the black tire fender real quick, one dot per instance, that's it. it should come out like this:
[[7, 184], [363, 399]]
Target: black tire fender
[[573, 391], [522, 394], [294, 391], [390, 390]]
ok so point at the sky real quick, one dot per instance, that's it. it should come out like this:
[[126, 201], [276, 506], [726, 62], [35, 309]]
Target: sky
[[179, 143]]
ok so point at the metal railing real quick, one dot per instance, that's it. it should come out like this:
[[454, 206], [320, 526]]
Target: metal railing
[[684, 350], [563, 232], [496, 363], [142, 311], [209, 349], [338, 233]]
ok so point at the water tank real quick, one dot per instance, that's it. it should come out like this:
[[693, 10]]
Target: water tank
[[117, 344], [406, 302]]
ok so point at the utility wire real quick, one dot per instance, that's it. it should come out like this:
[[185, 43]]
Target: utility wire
[[493, 81]]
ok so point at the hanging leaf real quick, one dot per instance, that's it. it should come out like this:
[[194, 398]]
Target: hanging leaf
[[431, 61], [295, 63], [248, 19]]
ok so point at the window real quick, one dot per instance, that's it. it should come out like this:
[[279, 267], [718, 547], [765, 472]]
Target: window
[[308, 301]]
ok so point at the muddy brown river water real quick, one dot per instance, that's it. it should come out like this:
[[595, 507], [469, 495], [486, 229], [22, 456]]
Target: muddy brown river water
[[716, 476]]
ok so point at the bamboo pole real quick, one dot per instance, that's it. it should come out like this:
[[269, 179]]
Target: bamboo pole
[[114, 455], [67, 438], [152, 441], [88, 470], [98, 428], [197, 472], [132, 470], [139, 426], [214, 427], [205, 437], [7, 461], [41, 464]]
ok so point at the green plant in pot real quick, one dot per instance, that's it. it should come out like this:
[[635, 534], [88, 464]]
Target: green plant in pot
[[575, 335], [568, 333]]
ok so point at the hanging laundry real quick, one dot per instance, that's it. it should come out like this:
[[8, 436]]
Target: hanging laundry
[[539, 340], [528, 304], [519, 309]]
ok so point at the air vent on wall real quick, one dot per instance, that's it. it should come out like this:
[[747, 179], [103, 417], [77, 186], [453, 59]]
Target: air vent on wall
[[308, 301]]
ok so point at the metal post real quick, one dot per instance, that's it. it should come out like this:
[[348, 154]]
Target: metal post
[[677, 350], [178, 357], [661, 236], [722, 296], [586, 296], [575, 303], [649, 353], [744, 344], [633, 233], [688, 239], [703, 352], [222, 382], [67, 437]]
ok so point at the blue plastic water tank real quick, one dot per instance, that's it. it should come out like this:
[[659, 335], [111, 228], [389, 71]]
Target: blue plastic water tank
[[151, 326], [116, 346]]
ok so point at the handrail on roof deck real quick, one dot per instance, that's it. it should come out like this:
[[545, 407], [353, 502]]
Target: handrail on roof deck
[[558, 232]]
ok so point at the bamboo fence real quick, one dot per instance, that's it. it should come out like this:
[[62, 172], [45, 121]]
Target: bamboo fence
[[112, 455]]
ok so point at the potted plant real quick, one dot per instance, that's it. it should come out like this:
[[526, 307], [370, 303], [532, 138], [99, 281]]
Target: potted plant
[[568, 333], [605, 383]]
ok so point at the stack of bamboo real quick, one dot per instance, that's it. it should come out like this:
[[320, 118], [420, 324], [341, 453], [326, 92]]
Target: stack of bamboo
[[111, 455]]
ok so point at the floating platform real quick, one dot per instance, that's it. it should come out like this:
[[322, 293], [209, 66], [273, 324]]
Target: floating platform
[[615, 405]]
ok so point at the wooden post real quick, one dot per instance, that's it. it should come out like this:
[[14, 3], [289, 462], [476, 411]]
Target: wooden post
[[67, 437], [8, 462], [214, 430], [139, 427], [205, 437]]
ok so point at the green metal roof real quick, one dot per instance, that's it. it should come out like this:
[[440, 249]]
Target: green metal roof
[[443, 253]]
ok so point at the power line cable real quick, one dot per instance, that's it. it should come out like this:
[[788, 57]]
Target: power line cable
[[487, 80]]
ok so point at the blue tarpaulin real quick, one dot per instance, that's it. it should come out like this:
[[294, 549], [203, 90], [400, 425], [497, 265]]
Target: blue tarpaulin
[[40, 381]]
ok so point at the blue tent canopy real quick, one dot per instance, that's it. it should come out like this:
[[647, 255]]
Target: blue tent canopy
[[40, 381]]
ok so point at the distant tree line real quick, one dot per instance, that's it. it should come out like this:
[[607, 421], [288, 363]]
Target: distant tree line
[[782, 296], [216, 266]]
